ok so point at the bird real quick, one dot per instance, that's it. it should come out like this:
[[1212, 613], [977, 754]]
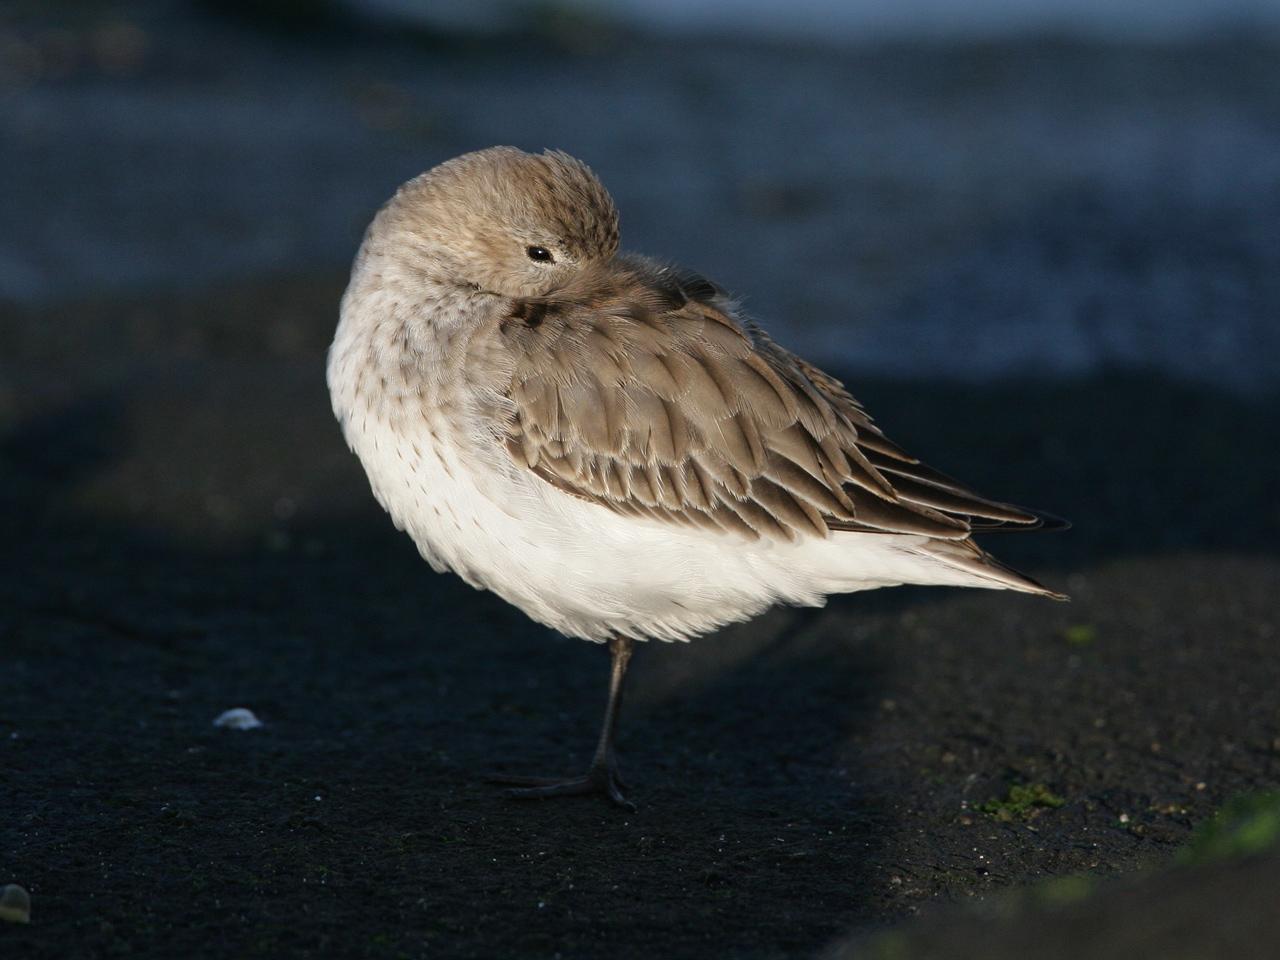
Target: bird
[[607, 441]]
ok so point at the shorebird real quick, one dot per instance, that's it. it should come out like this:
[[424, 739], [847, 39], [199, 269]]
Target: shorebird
[[605, 441]]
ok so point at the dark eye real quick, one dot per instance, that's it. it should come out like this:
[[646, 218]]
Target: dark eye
[[541, 254]]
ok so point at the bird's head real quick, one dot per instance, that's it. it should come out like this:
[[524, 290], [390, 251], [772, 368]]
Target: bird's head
[[497, 221]]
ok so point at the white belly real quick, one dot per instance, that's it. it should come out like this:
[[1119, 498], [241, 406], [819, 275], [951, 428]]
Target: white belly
[[586, 571]]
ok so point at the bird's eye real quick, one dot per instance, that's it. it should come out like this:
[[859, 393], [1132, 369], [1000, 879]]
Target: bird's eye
[[541, 254]]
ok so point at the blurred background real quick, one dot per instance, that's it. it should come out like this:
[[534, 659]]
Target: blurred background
[[1039, 238], [1034, 186]]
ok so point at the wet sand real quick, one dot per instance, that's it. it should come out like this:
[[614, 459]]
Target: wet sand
[[185, 533]]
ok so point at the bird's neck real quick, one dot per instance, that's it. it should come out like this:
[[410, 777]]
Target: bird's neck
[[403, 332]]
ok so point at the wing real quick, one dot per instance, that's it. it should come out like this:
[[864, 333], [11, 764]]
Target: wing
[[642, 393]]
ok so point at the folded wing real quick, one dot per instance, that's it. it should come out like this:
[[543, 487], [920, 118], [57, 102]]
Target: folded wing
[[640, 391]]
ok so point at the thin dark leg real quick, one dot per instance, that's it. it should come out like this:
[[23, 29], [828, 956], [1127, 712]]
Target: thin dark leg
[[602, 777], [620, 650]]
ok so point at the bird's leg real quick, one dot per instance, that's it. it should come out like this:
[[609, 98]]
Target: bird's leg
[[602, 776], [620, 650]]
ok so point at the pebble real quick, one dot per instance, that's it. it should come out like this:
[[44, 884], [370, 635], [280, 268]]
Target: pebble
[[239, 718], [15, 904]]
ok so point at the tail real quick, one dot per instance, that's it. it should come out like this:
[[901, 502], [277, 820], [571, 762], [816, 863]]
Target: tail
[[970, 559]]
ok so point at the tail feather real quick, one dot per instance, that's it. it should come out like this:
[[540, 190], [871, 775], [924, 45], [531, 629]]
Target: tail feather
[[967, 556]]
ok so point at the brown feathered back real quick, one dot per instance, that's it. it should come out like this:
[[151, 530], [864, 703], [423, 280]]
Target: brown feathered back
[[636, 388]]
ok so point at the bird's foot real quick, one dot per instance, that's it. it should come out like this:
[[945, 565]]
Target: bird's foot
[[602, 779]]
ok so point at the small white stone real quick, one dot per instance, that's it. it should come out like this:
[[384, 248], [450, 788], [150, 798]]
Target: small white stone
[[15, 904], [239, 718]]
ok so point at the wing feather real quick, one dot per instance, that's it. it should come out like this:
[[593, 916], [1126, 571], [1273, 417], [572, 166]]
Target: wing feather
[[639, 390]]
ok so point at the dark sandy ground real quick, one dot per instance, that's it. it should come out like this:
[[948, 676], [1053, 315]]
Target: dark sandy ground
[[184, 532]]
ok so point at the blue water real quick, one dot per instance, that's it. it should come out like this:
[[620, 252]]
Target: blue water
[[956, 210], [859, 21]]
